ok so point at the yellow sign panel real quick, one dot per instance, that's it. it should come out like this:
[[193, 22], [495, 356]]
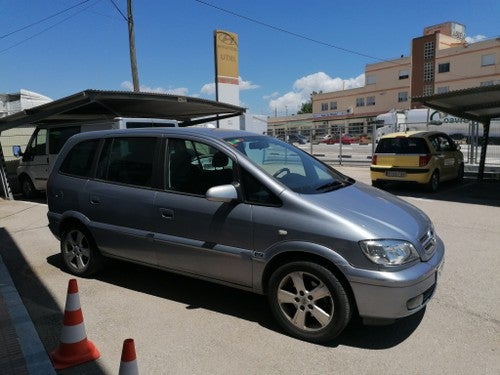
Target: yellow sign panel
[[226, 52]]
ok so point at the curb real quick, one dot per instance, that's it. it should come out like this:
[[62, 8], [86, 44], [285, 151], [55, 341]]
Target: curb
[[35, 355]]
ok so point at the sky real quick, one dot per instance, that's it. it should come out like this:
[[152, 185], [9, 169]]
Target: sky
[[287, 49]]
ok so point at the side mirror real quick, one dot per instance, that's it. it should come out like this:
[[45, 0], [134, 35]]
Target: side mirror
[[222, 193], [16, 151]]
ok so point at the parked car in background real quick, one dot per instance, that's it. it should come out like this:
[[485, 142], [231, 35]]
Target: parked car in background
[[426, 158], [247, 211], [297, 138], [346, 140]]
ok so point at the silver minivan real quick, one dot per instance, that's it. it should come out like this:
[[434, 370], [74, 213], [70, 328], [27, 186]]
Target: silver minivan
[[248, 211]]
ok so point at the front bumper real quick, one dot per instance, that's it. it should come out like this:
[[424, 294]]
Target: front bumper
[[392, 295]]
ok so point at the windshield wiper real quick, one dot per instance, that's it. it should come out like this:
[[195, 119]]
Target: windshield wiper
[[331, 186]]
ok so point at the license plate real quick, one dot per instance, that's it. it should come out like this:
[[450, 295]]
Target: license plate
[[395, 174]]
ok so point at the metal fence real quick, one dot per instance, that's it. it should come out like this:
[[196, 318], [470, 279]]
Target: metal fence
[[355, 144]]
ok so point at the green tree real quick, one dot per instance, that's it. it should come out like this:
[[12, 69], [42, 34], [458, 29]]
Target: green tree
[[307, 107]]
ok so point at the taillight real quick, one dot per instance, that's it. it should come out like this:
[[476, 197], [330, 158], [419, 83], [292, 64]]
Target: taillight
[[374, 159], [423, 160]]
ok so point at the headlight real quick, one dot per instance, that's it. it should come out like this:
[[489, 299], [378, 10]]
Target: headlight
[[389, 252]]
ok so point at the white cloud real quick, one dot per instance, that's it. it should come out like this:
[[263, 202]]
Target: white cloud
[[474, 39], [127, 85], [246, 85], [209, 88], [303, 87]]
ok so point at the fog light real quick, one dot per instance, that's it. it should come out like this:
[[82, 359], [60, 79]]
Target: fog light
[[415, 302]]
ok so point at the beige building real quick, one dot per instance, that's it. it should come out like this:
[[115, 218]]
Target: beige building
[[440, 61]]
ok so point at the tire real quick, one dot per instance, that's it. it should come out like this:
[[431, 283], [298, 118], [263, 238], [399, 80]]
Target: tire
[[433, 184], [378, 184], [28, 189], [309, 302], [461, 174], [79, 252]]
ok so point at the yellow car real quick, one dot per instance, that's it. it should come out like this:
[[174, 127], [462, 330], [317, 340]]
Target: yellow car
[[426, 158]]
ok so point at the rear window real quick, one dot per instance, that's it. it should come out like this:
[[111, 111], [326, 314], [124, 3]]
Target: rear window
[[402, 145]]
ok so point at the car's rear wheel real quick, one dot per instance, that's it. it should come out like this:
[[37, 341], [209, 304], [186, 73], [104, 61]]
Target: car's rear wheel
[[433, 184], [80, 254], [308, 301]]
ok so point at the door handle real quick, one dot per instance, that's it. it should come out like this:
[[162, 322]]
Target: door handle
[[95, 200], [167, 213]]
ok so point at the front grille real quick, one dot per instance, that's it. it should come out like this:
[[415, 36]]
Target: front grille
[[428, 242]]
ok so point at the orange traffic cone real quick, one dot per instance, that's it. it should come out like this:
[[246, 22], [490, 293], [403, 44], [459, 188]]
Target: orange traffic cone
[[74, 348], [128, 364]]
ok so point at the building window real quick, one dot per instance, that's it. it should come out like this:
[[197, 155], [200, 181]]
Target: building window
[[429, 50], [370, 100], [428, 72], [403, 96], [324, 106], [444, 68], [404, 74], [488, 60], [442, 90], [333, 105], [371, 79], [428, 90], [360, 102]]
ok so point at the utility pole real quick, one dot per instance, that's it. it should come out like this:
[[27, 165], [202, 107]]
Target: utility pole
[[131, 38]]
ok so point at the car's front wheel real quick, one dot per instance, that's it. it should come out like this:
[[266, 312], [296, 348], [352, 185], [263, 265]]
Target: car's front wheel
[[309, 302], [80, 254], [27, 188]]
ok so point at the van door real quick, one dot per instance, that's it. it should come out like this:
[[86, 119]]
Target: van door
[[35, 161], [195, 235]]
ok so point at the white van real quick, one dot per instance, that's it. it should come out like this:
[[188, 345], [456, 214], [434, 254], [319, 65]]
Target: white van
[[47, 140]]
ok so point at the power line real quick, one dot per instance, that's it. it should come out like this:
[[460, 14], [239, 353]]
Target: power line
[[43, 20], [119, 10], [301, 36], [49, 27]]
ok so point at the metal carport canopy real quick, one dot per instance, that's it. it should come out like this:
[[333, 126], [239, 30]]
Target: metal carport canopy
[[479, 104], [92, 105]]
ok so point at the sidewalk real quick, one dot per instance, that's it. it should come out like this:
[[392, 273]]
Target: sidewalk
[[21, 351]]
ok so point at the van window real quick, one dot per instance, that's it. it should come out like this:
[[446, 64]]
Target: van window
[[128, 161], [38, 147], [78, 161], [194, 167], [59, 136]]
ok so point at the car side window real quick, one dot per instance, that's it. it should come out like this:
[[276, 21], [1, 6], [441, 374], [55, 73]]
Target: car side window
[[78, 161], [128, 161], [194, 167], [445, 144], [255, 192]]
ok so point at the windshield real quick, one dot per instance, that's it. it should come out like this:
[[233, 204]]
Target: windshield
[[289, 165]]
